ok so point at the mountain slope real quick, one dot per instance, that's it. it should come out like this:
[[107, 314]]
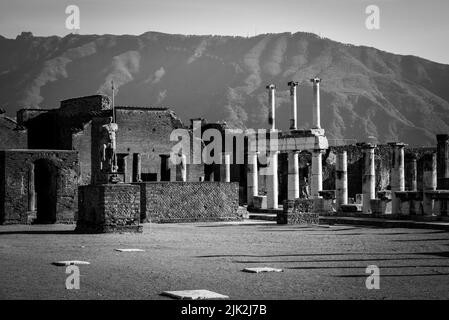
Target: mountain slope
[[365, 91]]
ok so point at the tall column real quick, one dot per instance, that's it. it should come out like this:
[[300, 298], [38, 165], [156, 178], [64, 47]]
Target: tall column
[[272, 105], [137, 167], [397, 177], [317, 174], [411, 175], [429, 181], [31, 189], [442, 161], [226, 168], [252, 182], [341, 179], [293, 175], [369, 177], [316, 103], [293, 104], [272, 181], [183, 166]]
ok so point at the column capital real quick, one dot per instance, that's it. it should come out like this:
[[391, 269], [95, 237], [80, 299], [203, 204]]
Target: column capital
[[367, 145], [293, 83], [315, 80], [271, 86], [397, 144]]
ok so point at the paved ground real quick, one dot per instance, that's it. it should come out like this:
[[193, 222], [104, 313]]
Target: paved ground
[[319, 262]]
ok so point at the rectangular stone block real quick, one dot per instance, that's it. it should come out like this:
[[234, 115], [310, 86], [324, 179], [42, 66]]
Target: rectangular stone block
[[260, 202], [299, 211], [109, 208]]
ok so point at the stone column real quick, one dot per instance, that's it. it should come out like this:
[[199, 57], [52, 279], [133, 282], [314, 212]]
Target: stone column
[[442, 161], [272, 105], [341, 179], [369, 177], [252, 182], [317, 174], [226, 168], [411, 174], [272, 181], [316, 103], [137, 167], [183, 166], [293, 100], [429, 181], [397, 176], [31, 189], [293, 175]]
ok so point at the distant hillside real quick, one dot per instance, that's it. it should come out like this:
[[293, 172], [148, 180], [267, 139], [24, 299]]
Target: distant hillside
[[365, 91]]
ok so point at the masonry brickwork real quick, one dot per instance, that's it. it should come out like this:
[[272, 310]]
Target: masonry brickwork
[[109, 208], [189, 201], [38, 185]]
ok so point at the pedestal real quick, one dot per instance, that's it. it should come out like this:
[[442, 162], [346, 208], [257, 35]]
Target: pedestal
[[109, 208]]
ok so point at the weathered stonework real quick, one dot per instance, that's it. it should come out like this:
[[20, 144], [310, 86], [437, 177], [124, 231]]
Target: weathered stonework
[[38, 184], [109, 208], [299, 211], [163, 202]]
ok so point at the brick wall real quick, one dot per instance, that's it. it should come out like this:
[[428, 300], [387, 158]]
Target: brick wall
[[189, 201], [108, 208], [16, 183], [10, 136]]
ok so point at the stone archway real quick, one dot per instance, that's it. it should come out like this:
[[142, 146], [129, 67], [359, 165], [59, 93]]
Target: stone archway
[[45, 184]]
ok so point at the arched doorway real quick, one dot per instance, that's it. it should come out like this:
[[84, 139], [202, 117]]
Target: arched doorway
[[45, 175]]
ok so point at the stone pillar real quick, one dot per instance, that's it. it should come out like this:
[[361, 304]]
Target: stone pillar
[[252, 182], [341, 179], [429, 181], [137, 167], [183, 166], [272, 181], [293, 100], [272, 105], [397, 176], [226, 168], [31, 189], [293, 175], [411, 173], [316, 103], [442, 161], [369, 177], [317, 174]]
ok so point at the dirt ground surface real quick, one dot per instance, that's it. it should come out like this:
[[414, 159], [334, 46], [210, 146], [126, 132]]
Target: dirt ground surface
[[322, 262]]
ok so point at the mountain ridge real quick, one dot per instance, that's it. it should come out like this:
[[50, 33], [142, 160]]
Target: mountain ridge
[[365, 91]]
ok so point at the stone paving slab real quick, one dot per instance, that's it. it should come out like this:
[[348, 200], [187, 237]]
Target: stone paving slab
[[261, 269], [200, 294], [70, 263]]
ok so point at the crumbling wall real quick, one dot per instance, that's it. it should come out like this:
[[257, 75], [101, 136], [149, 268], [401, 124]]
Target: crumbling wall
[[12, 136], [189, 201], [16, 183]]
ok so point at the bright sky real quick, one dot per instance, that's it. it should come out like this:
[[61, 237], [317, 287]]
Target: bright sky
[[416, 27]]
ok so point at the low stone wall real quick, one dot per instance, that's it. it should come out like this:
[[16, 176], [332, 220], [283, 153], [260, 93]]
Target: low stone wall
[[163, 202], [299, 211]]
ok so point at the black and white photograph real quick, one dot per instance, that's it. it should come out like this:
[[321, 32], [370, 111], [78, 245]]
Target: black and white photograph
[[224, 155]]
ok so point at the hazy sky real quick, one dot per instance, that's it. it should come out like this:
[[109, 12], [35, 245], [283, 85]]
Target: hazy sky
[[417, 27]]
